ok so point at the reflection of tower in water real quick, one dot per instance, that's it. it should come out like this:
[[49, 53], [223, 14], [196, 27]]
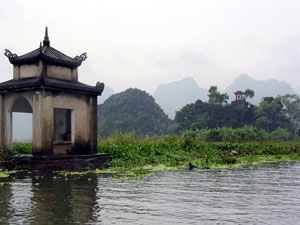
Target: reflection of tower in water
[[64, 199], [15, 202], [5, 197], [49, 199]]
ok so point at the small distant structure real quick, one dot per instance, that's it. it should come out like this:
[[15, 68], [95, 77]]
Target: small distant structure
[[64, 111], [239, 96]]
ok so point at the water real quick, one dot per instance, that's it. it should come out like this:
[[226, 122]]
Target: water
[[265, 194]]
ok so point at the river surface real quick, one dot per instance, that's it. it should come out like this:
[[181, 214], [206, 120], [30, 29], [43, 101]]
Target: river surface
[[264, 194]]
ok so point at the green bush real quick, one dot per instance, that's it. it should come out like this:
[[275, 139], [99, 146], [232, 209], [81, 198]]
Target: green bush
[[245, 134], [8, 160], [22, 148], [130, 150]]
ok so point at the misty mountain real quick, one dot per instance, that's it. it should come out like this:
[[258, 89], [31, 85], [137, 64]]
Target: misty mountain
[[261, 88], [297, 90], [173, 96], [107, 92]]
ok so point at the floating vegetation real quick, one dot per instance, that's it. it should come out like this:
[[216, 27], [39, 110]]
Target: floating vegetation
[[6, 183], [3, 175], [135, 155], [7, 173]]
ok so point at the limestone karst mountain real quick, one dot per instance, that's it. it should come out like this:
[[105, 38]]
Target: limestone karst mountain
[[261, 88], [132, 110], [173, 96]]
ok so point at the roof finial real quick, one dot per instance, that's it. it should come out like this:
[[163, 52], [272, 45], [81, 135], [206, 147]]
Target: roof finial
[[46, 41]]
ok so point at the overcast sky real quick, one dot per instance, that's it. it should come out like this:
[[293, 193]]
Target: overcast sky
[[143, 43]]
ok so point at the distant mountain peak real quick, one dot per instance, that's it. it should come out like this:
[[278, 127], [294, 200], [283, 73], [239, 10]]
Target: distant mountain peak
[[186, 80], [107, 92], [244, 76], [174, 95], [261, 88]]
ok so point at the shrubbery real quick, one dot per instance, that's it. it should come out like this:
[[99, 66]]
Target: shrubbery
[[130, 150], [245, 134], [22, 148]]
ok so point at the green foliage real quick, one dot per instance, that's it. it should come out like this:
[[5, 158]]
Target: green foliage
[[269, 114], [7, 159], [249, 93], [227, 134], [215, 97], [240, 113], [131, 150], [22, 148], [131, 111], [202, 115], [280, 134], [214, 113], [291, 108]]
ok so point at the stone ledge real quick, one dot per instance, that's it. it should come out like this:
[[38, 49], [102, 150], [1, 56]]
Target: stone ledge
[[63, 162]]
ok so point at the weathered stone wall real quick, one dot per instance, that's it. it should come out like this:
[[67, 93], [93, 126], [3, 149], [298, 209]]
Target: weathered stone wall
[[83, 121], [6, 105], [37, 69], [26, 71], [81, 116], [63, 73]]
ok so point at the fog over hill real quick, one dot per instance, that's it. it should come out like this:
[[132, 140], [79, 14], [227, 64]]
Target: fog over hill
[[173, 96], [261, 88]]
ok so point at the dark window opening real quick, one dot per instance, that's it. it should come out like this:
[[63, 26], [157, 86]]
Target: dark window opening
[[62, 124]]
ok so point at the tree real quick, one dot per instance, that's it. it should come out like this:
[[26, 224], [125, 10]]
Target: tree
[[291, 109], [215, 97], [249, 93], [269, 115], [241, 113]]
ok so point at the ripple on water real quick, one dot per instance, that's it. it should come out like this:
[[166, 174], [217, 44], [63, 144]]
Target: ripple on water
[[265, 194]]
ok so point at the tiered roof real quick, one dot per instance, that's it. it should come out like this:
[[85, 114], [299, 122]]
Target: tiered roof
[[46, 53]]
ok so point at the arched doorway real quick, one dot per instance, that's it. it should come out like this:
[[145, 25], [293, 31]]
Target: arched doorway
[[22, 128]]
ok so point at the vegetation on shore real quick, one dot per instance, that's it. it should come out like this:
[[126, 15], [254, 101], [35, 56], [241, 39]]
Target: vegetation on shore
[[136, 111], [133, 153]]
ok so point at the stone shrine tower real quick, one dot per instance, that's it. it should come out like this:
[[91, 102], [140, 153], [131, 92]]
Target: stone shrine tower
[[64, 111], [239, 96]]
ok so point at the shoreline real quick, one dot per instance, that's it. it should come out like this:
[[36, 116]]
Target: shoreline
[[151, 169], [136, 156]]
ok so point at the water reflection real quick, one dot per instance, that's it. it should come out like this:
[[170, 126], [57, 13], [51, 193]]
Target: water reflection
[[255, 194], [64, 200], [48, 199], [5, 210]]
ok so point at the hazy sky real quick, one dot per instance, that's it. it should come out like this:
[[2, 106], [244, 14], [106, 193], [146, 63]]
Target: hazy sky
[[142, 43]]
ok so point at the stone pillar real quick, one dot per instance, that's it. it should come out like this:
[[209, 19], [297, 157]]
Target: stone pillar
[[93, 128], [36, 123], [1, 122], [46, 123], [8, 145]]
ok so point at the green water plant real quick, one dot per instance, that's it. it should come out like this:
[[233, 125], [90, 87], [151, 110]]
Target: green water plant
[[133, 152]]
